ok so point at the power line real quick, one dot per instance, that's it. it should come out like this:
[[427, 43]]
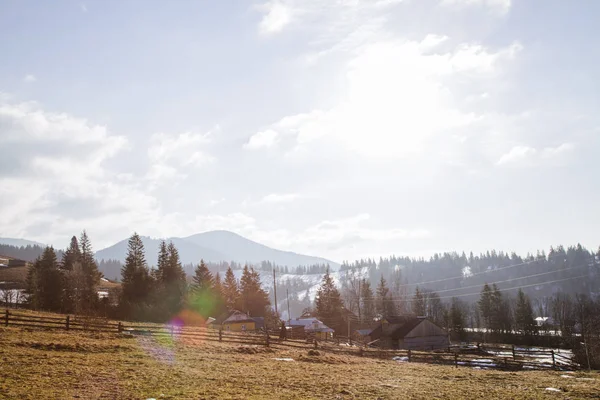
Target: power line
[[493, 283]]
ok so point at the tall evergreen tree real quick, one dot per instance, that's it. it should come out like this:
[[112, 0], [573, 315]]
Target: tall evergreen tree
[[203, 279], [524, 321], [231, 293], [135, 276], [328, 304], [368, 302], [486, 306], [89, 268], [44, 282], [384, 304], [457, 317], [418, 303], [254, 300], [72, 284]]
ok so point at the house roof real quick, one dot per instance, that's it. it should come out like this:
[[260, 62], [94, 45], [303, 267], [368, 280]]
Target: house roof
[[310, 325], [401, 326], [363, 332]]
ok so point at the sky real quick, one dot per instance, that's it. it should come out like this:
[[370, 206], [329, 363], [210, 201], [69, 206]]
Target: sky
[[343, 129]]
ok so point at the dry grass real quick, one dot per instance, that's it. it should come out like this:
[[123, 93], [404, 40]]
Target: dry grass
[[56, 365]]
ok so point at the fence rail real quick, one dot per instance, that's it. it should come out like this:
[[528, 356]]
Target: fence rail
[[483, 356]]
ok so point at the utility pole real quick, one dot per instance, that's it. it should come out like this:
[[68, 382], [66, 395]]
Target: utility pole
[[287, 292], [275, 289]]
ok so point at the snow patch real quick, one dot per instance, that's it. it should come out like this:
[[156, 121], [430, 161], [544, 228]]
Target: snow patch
[[551, 389]]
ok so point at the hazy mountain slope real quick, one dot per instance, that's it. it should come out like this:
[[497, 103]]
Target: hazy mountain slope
[[240, 249], [20, 242], [188, 251]]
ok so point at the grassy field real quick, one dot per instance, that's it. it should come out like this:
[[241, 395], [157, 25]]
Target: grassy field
[[37, 364]]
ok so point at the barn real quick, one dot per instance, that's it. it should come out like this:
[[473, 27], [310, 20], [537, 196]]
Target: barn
[[409, 332]]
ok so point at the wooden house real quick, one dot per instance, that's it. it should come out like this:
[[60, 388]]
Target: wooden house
[[312, 327], [241, 322], [409, 332]]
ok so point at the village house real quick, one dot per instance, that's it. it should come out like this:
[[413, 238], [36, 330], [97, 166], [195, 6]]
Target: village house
[[241, 322], [312, 327], [409, 332]]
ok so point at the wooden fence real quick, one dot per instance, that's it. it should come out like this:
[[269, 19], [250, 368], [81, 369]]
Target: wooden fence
[[482, 356]]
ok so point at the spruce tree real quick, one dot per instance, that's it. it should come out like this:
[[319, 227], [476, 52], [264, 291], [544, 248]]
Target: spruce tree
[[524, 320], [135, 276], [384, 302], [89, 292], [203, 279], [418, 303], [253, 299], [457, 317], [173, 282], [70, 265], [328, 304], [486, 306], [368, 302], [231, 293], [45, 282]]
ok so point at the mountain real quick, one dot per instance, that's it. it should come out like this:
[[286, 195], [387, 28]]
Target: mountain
[[243, 250], [20, 242], [216, 246], [188, 252]]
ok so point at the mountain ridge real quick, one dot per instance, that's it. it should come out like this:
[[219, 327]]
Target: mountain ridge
[[216, 246]]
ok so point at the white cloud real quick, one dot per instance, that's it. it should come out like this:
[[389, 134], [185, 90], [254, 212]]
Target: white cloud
[[29, 78], [527, 156], [280, 198], [172, 155], [397, 103], [277, 16], [83, 8], [499, 6], [264, 139]]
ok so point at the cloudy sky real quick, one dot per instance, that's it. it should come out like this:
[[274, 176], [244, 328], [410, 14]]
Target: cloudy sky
[[343, 129]]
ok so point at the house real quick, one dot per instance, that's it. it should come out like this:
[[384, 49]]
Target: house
[[409, 332], [6, 261], [241, 322], [312, 326], [362, 335]]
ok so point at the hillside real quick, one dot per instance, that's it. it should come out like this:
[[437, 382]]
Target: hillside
[[216, 246], [20, 242]]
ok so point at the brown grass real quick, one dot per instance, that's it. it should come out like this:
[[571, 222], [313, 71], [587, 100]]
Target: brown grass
[[38, 364]]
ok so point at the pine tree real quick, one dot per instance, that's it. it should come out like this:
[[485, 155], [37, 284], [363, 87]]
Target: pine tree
[[254, 300], [384, 305], [457, 317], [418, 303], [368, 302], [72, 286], [524, 321], [231, 293], [486, 306], [135, 276], [44, 282], [203, 279], [173, 282], [328, 304], [163, 262], [89, 268]]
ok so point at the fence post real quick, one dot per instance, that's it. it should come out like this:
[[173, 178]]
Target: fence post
[[220, 335], [267, 339], [6, 317], [171, 327], [408, 355], [513, 351], [120, 327], [553, 360], [315, 341], [67, 323], [456, 360]]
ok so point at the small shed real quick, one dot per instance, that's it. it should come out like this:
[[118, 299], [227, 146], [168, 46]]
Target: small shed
[[409, 332]]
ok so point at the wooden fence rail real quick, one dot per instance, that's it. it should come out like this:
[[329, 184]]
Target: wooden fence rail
[[497, 357]]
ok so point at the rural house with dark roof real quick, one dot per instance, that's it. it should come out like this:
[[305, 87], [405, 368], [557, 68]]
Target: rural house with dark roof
[[409, 332]]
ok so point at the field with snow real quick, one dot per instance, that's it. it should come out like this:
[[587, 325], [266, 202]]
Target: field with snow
[[59, 365]]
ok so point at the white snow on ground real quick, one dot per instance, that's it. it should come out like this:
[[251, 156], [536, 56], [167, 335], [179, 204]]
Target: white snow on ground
[[551, 389], [283, 359], [400, 359], [566, 376]]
